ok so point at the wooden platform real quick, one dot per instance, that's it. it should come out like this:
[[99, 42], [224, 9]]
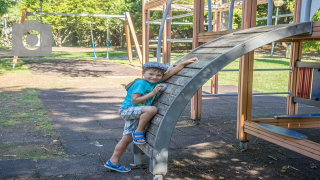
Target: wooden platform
[[315, 36], [305, 147]]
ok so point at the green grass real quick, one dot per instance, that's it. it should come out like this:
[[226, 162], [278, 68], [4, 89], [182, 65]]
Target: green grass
[[20, 108], [264, 81]]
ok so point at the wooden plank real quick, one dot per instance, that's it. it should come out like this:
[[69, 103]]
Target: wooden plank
[[178, 80], [201, 57], [200, 64], [166, 98], [162, 108], [128, 39], [217, 33], [173, 89], [23, 18], [294, 120], [305, 147], [187, 72], [315, 34], [316, 24], [145, 33], [287, 140], [296, 53], [150, 138], [231, 41], [315, 29], [208, 50], [146, 148], [153, 129], [135, 40], [157, 119]]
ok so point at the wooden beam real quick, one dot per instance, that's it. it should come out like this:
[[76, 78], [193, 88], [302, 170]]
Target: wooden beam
[[249, 11], [128, 39], [305, 147], [145, 33], [166, 46], [315, 36], [198, 22], [135, 40], [23, 18], [292, 123], [296, 53]]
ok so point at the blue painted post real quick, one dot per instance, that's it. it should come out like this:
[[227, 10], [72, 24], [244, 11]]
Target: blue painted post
[[210, 16], [107, 38], [270, 10], [94, 50], [231, 14]]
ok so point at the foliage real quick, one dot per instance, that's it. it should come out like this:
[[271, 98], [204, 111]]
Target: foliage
[[5, 5], [309, 46], [75, 30]]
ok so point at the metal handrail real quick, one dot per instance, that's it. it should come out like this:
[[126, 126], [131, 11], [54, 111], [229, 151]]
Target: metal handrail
[[161, 29], [276, 69], [236, 94]]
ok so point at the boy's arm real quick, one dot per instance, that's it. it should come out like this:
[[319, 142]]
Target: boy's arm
[[177, 68], [137, 98]]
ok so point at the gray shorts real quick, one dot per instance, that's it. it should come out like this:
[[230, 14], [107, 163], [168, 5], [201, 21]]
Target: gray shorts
[[131, 115]]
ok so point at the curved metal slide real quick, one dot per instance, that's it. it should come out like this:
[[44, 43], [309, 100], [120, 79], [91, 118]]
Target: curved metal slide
[[213, 56]]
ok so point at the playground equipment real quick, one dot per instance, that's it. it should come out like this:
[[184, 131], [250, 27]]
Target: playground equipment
[[128, 27], [94, 49], [220, 49]]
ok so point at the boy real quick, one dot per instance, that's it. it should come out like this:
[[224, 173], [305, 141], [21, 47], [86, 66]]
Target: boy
[[136, 109]]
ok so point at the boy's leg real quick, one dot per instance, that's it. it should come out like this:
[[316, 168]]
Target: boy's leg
[[120, 148], [147, 113]]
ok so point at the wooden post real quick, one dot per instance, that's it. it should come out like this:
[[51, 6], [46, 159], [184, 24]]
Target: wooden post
[[166, 46], [249, 10], [23, 18], [198, 17], [135, 40], [126, 27], [296, 54], [145, 33], [214, 82]]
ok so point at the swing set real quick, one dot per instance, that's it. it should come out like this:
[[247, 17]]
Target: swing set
[[128, 27]]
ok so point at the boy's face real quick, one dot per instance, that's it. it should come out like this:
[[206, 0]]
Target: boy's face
[[152, 76]]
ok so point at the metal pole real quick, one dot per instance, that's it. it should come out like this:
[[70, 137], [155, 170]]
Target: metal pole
[[73, 14], [5, 30], [307, 11], [107, 38], [275, 23], [231, 14], [270, 10], [161, 30], [209, 16], [40, 11]]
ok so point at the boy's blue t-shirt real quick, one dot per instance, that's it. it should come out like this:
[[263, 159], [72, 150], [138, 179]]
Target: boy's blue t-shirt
[[141, 87]]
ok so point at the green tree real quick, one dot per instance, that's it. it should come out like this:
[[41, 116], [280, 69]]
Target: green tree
[[5, 5]]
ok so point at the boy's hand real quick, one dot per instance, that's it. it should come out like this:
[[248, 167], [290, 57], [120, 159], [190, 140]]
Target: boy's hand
[[189, 61], [157, 89]]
